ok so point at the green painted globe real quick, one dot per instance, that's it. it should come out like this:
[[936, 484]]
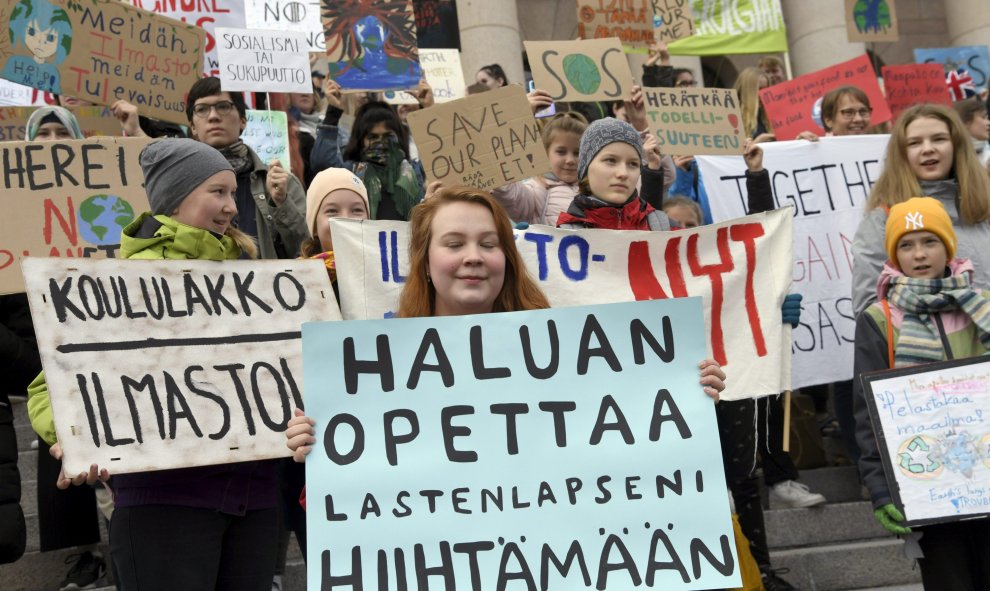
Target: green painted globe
[[102, 217]]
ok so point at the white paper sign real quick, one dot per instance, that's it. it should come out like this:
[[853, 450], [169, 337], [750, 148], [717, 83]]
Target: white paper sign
[[264, 61], [166, 364], [267, 133], [288, 15], [18, 95], [827, 182], [442, 68], [741, 269]]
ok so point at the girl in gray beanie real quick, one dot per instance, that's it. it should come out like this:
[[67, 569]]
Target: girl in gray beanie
[[610, 164]]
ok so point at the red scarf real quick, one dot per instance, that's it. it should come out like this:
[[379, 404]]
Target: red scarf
[[594, 213]]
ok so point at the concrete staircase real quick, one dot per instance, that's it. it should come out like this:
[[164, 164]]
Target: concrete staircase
[[838, 546]]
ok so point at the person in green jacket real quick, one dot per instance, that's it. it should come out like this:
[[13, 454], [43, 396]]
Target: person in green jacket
[[208, 527]]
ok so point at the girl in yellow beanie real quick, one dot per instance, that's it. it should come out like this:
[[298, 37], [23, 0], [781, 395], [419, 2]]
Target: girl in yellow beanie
[[927, 311]]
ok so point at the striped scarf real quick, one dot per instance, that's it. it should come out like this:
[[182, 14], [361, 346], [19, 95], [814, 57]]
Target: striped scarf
[[919, 340]]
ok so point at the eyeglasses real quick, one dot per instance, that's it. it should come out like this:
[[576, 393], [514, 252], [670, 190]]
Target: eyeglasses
[[686, 83], [202, 110], [850, 113]]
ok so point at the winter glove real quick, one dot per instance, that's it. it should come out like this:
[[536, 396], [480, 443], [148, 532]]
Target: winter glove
[[890, 518], [792, 309]]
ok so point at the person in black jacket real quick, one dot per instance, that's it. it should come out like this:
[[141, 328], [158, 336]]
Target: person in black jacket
[[19, 363]]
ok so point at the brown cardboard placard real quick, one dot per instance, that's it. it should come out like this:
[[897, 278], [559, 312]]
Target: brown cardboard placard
[[673, 20], [66, 199], [580, 71], [103, 51], [94, 121], [690, 121], [871, 21], [485, 140], [158, 364], [631, 21]]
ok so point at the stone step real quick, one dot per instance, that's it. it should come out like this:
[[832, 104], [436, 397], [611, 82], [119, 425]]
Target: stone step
[[852, 565], [37, 571], [828, 524], [27, 464], [25, 435], [839, 484], [915, 587]]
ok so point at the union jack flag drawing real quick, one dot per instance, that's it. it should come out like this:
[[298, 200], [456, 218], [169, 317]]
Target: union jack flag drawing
[[960, 84]]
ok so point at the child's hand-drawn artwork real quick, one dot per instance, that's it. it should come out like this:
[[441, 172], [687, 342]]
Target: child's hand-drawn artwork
[[371, 45], [45, 31]]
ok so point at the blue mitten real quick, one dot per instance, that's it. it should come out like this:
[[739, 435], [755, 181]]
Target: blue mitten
[[791, 310], [522, 225]]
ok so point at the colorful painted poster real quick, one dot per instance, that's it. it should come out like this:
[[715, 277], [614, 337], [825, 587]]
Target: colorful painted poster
[[581, 436], [729, 27], [205, 371], [267, 133], [672, 20], [827, 184], [741, 268], [300, 16], [371, 45], [909, 84], [973, 59], [580, 71], [931, 426], [442, 69], [71, 201], [795, 105], [485, 140], [868, 21], [630, 21], [263, 61], [102, 51], [204, 14], [695, 120], [436, 24]]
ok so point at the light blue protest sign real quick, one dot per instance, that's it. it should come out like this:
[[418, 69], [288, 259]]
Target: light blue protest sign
[[975, 59], [267, 133], [563, 448]]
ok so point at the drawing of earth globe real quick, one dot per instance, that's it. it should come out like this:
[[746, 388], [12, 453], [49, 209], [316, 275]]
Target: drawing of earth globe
[[816, 112], [102, 217]]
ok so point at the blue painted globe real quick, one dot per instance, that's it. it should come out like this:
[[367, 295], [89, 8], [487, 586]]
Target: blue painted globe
[[102, 217]]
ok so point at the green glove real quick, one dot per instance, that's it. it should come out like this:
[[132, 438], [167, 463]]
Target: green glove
[[890, 518]]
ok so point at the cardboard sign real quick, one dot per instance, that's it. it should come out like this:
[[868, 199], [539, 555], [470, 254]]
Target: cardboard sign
[[371, 45], [692, 121], [485, 141], [827, 183], [104, 51], [729, 27], [741, 268], [672, 20], [909, 84], [630, 21], [301, 16], [436, 24], [267, 133], [94, 121], [871, 20], [66, 199], [166, 364], [263, 61], [570, 424], [442, 69], [795, 105], [580, 71], [205, 15], [975, 59], [930, 423]]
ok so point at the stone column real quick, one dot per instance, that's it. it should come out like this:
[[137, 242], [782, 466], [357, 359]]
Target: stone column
[[816, 34], [490, 34], [968, 21]]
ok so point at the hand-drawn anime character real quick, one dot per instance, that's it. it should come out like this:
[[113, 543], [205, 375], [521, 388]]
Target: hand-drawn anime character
[[372, 45], [46, 31]]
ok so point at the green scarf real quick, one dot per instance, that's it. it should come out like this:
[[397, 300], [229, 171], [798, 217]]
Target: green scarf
[[919, 340], [384, 168]]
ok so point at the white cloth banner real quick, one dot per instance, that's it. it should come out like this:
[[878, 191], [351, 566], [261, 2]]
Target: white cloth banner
[[740, 269], [827, 182]]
